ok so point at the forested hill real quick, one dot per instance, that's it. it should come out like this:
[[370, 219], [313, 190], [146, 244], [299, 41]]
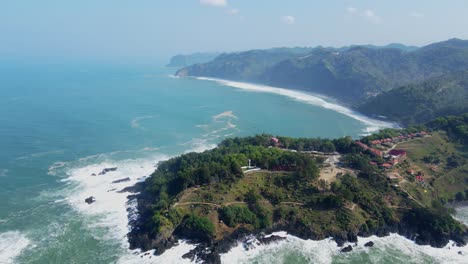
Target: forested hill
[[351, 75], [214, 199], [421, 102], [243, 66], [186, 60]]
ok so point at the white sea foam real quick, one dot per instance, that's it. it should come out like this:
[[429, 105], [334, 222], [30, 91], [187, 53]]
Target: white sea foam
[[135, 123], [110, 208], [392, 247], [372, 124], [226, 114], [170, 256], [12, 243]]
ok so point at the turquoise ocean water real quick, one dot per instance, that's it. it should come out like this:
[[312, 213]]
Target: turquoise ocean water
[[60, 123]]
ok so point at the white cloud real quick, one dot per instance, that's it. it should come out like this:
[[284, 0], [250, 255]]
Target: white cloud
[[416, 15], [214, 2], [372, 16], [233, 11], [288, 20], [352, 10]]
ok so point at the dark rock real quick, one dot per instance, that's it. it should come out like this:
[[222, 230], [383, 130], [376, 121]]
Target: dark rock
[[369, 244], [90, 200], [93, 174], [270, 239], [122, 180], [347, 249], [460, 253], [106, 170]]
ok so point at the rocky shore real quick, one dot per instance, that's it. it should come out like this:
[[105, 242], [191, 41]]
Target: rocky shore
[[209, 251]]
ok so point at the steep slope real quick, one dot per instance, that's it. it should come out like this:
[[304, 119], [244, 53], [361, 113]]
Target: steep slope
[[351, 75], [445, 95], [243, 66], [186, 60]]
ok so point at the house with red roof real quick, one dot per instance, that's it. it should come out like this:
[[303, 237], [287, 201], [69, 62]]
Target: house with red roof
[[397, 152], [387, 166]]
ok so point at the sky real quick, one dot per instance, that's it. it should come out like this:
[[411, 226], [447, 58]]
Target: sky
[[149, 29]]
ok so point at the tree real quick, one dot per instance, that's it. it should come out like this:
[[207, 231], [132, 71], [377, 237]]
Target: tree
[[460, 196]]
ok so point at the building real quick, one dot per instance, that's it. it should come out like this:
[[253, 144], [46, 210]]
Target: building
[[275, 141], [387, 166], [397, 152]]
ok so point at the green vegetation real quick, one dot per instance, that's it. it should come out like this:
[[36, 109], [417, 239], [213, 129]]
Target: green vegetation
[[186, 60], [355, 74], [236, 214], [421, 102], [194, 226], [207, 196]]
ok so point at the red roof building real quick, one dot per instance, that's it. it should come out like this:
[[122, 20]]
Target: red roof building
[[375, 152], [362, 145], [387, 166], [397, 152]]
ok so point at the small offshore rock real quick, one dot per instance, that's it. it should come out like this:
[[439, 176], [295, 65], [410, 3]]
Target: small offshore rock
[[90, 200], [106, 170], [122, 180], [369, 244], [347, 249]]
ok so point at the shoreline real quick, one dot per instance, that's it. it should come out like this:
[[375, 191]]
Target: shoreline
[[244, 240], [372, 124]]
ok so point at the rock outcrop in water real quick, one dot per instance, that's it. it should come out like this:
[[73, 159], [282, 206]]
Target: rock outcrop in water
[[347, 249], [121, 180], [90, 200], [106, 170], [369, 244]]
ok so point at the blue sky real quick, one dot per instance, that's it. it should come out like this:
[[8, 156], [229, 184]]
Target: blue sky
[[160, 28]]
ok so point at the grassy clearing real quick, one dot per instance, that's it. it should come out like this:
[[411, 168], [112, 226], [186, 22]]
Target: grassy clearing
[[432, 156]]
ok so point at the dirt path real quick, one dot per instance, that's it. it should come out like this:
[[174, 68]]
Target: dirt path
[[199, 203], [409, 195], [227, 204], [329, 172]]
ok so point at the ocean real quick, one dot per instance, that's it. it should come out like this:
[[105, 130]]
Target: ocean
[[60, 123]]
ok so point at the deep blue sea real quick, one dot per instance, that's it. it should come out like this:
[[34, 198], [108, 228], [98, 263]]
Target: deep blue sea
[[60, 123]]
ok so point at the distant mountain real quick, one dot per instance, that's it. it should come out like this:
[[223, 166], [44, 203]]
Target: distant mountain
[[186, 60], [243, 66], [352, 74], [399, 46], [416, 103]]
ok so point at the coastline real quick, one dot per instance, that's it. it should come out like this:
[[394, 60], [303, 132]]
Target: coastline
[[213, 251], [244, 240], [373, 125]]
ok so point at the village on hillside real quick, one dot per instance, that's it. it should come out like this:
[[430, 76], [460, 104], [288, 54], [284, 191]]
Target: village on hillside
[[387, 156]]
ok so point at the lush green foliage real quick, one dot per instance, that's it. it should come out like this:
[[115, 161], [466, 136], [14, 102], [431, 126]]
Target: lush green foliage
[[455, 126], [236, 214], [186, 60], [431, 222], [421, 102], [352, 74], [195, 226]]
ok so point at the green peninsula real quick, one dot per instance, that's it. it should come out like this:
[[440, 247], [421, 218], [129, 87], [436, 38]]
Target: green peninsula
[[394, 181]]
